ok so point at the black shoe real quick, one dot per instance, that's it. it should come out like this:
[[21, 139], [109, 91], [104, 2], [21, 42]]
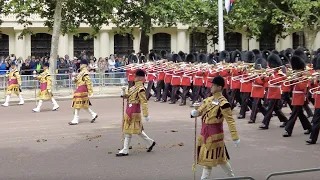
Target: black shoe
[[283, 124], [151, 147], [251, 121], [263, 127], [156, 100], [286, 134], [163, 101], [172, 102], [241, 117], [307, 131], [94, 119], [182, 104], [310, 141], [121, 154], [70, 123]]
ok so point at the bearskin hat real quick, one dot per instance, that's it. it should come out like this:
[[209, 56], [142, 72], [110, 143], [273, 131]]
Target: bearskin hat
[[299, 52], [210, 58], [257, 53], [317, 52], [274, 61], [224, 55], [152, 56], [249, 57], [235, 56], [284, 58], [84, 61], [176, 58], [202, 58], [163, 54], [134, 58], [190, 58], [308, 54], [260, 62], [316, 65], [297, 63], [265, 54], [275, 52], [182, 55], [143, 58]]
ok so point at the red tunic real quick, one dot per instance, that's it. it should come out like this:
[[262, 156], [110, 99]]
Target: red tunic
[[299, 93], [198, 78], [246, 86], [316, 97], [176, 78], [186, 78], [211, 74], [225, 74], [274, 91], [131, 74], [235, 84], [151, 75], [168, 77], [258, 87]]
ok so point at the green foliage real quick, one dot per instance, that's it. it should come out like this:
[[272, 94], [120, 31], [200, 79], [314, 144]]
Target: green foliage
[[296, 15], [95, 13]]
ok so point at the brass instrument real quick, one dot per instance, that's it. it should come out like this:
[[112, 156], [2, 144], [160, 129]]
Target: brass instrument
[[298, 77]]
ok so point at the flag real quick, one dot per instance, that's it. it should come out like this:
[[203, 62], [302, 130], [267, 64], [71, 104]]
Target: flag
[[228, 4]]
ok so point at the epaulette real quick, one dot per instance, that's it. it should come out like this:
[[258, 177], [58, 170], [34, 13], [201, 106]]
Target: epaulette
[[281, 73]]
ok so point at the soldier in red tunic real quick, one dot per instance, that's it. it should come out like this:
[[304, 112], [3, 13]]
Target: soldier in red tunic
[[258, 90], [274, 92], [186, 79], [286, 90], [298, 98], [131, 76], [160, 82], [316, 117], [151, 76], [167, 84], [176, 79], [235, 84], [246, 87]]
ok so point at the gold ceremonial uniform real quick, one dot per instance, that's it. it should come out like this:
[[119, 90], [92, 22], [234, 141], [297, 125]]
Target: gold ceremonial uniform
[[136, 102], [84, 89], [45, 85], [14, 80], [211, 144]]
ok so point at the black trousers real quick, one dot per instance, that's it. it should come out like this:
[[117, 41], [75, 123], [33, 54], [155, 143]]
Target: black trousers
[[297, 111], [285, 97], [257, 107], [235, 95], [207, 92], [225, 93], [130, 84], [185, 91], [195, 93], [307, 109], [160, 86], [166, 91], [246, 101], [149, 87], [175, 93], [274, 105], [315, 126]]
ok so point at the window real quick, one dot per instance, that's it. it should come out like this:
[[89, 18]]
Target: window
[[298, 40], [80, 45], [198, 42], [161, 41], [233, 41], [123, 44], [4, 45], [41, 44]]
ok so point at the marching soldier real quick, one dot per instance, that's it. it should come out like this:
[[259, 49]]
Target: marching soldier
[[14, 83], [274, 92], [235, 84], [45, 92], [136, 102], [83, 92], [160, 82], [176, 80], [211, 140], [298, 98], [186, 80]]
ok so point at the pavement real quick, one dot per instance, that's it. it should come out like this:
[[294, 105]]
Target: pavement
[[42, 146]]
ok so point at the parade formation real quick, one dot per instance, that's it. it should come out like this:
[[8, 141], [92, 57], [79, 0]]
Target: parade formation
[[264, 82]]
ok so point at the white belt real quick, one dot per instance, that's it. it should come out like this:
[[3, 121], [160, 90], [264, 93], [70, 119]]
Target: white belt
[[256, 85], [175, 76], [152, 74], [186, 76], [298, 92], [274, 86], [198, 76]]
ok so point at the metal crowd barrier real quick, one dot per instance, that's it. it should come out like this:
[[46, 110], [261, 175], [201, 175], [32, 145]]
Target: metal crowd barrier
[[292, 172], [239, 177]]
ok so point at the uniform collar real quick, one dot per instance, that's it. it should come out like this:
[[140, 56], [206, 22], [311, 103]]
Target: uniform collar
[[138, 83], [217, 95]]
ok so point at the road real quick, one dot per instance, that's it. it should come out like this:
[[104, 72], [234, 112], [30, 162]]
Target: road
[[42, 146]]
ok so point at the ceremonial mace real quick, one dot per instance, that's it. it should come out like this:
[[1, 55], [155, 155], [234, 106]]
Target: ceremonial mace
[[123, 88], [35, 86], [194, 166]]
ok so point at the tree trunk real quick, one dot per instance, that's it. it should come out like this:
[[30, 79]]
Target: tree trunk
[[310, 36], [144, 42], [55, 41]]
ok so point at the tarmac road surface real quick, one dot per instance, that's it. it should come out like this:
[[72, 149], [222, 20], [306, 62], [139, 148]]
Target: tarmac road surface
[[42, 146]]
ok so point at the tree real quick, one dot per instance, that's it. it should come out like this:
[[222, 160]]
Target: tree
[[144, 14], [62, 16], [298, 15]]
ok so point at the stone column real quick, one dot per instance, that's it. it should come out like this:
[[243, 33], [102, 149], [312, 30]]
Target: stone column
[[182, 40], [104, 43], [20, 45], [63, 48]]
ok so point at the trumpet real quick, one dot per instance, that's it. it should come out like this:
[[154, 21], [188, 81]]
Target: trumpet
[[315, 90], [298, 77]]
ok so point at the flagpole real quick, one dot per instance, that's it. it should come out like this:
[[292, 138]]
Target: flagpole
[[221, 29]]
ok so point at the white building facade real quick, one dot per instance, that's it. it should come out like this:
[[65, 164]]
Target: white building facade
[[107, 41]]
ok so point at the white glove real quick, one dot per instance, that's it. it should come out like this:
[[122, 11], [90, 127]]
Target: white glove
[[236, 142], [49, 90], [90, 95], [7, 75], [122, 93], [194, 113], [147, 118]]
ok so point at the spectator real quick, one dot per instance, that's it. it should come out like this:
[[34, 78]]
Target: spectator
[[3, 66]]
